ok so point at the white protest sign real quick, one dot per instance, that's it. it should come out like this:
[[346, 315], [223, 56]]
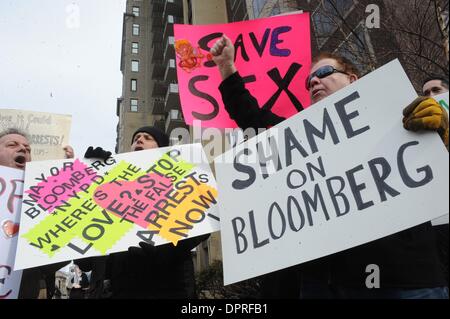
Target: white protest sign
[[339, 174], [442, 99], [11, 187], [440, 221], [48, 132], [80, 208]]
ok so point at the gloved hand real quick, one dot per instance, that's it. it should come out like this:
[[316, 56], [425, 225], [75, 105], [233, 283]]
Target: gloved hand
[[98, 152], [425, 113]]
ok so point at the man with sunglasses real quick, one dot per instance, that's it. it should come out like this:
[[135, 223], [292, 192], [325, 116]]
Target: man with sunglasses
[[408, 260]]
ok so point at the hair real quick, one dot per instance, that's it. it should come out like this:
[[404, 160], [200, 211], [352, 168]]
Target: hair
[[14, 131], [161, 138], [348, 66], [443, 80]]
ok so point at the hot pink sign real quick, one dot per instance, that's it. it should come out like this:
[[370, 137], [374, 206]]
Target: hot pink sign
[[272, 54], [129, 201]]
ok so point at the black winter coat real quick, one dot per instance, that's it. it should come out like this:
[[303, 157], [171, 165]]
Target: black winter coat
[[165, 273]]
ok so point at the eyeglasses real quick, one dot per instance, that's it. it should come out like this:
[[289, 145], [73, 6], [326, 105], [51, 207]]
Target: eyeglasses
[[321, 73]]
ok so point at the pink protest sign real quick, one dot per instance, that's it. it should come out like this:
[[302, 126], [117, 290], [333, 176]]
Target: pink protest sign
[[129, 201], [272, 54], [62, 184]]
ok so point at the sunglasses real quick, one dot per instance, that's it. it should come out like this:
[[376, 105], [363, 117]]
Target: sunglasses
[[321, 73]]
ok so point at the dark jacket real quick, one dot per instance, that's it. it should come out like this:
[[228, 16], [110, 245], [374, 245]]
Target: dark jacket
[[31, 279], [97, 267], [79, 293], [165, 272], [441, 232], [407, 259], [84, 281]]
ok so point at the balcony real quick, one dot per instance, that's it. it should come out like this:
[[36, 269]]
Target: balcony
[[174, 8], [159, 89], [170, 74], [169, 49], [158, 6], [168, 28], [119, 105], [161, 124], [158, 53], [158, 106], [174, 120], [158, 71], [172, 100], [157, 21], [157, 35]]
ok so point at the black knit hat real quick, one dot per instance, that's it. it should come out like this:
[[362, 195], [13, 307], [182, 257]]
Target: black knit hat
[[160, 137]]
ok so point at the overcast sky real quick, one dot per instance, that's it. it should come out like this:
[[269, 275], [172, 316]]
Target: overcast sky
[[63, 57]]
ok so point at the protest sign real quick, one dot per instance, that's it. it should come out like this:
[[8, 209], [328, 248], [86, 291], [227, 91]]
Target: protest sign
[[48, 132], [441, 220], [339, 174], [79, 208], [11, 187], [273, 55]]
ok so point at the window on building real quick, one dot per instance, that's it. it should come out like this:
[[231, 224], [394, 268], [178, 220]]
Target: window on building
[[135, 11], [174, 114], [133, 85], [328, 16], [342, 6], [135, 47], [258, 5], [275, 10], [323, 27], [357, 47], [135, 29], [133, 105], [135, 66], [237, 10]]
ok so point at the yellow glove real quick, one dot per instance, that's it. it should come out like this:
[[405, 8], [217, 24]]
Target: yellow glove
[[425, 113]]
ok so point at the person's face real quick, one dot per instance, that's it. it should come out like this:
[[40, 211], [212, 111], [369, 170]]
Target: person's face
[[321, 88], [143, 141], [433, 87], [68, 151], [14, 151]]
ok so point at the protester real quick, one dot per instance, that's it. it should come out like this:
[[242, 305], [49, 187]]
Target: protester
[[15, 152], [407, 260], [433, 86], [80, 283], [97, 267]]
